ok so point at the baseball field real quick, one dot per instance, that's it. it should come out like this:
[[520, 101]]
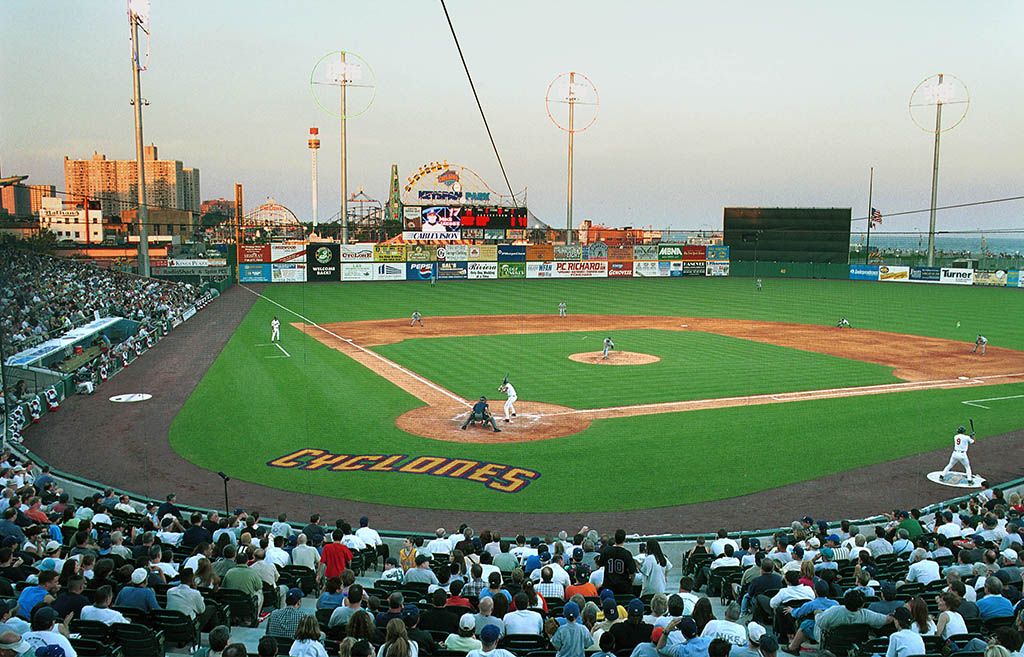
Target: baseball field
[[713, 390]]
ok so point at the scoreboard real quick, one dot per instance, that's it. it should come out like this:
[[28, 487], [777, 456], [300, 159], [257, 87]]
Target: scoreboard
[[493, 217]]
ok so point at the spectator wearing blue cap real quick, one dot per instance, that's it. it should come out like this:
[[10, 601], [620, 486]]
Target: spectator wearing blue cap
[[284, 621], [46, 631], [572, 639], [489, 638], [694, 646]]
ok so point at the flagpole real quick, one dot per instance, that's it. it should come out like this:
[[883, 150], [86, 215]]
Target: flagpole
[[871, 217]]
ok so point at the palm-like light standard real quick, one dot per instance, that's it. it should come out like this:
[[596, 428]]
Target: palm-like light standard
[[565, 93]]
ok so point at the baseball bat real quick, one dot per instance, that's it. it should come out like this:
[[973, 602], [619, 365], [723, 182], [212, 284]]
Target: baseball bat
[[972, 426]]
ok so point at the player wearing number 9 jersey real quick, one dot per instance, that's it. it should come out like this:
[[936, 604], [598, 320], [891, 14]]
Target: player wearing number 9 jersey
[[961, 441]]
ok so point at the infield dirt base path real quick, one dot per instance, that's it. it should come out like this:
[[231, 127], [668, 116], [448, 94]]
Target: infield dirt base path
[[922, 362]]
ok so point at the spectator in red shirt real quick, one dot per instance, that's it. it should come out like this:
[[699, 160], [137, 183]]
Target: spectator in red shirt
[[336, 556], [456, 599]]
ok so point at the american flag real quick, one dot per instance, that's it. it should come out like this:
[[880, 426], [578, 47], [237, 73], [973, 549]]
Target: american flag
[[876, 217]]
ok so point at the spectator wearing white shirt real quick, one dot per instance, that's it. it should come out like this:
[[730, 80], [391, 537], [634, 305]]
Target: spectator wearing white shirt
[[100, 609], [437, 545], [305, 555], [350, 540], [922, 569], [718, 545], [524, 620], [904, 642], [653, 569], [203, 550], [948, 528], [794, 590], [281, 527]]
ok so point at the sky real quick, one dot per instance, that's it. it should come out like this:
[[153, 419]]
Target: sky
[[702, 105]]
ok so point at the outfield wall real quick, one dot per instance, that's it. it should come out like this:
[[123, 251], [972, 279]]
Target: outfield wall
[[939, 275], [326, 262]]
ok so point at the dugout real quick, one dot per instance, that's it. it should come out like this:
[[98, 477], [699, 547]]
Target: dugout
[[789, 235]]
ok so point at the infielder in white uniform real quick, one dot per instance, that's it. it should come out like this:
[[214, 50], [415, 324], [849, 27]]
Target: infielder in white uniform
[[510, 403], [961, 441], [982, 342], [416, 317], [275, 330], [608, 346], [561, 309]]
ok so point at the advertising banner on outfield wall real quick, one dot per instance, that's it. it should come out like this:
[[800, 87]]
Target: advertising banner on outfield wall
[[482, 270], [670, 252], [419, 271], [717, 268], [483, 253], [587, 269], [389, 253], [540, 252], [453, 253], [863, 272], [925, 274], [472, 233], [512, 253], [496, 234], [955, 276], [646, 269], [288, 253], [893, 274], [718, 253], [694, 268], [253, 253], [357, 271], [620, 268], [357, 252], [540, 270], [995, 277], [389, 272], [620, 253], [254, 273], [420, 253], [665, 268], [597, 251], [675, 267], [645, 252], [693, 252], [451, 271], [1013, 278], [515, 234], [323, 262], [431, 235], [568, 252], [511, 270], [288, 272]]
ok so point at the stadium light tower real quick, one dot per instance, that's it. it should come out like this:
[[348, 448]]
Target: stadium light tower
[[138, 16], [314, 146], [938, 91], [339, 73], [564, 94]]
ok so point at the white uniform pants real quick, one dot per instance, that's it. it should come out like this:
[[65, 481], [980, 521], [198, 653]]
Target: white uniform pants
[[604, 354], [961, 458], [510, 407], [275, 334]]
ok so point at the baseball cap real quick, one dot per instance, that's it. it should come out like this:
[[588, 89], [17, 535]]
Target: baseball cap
[[607, 593], [294, 595], [490, 633], [571, 610], [813, 542], [52, 650], [755, 543], [48, 564], [769, 644], [1010, 554], [656, 634], [410, 613], [52, 546], [46, 615], [534, 542], [635, 607], [827, 553], [610, 608], [545, 557], [755, 631], [688, 627], [577, 554], [139, 575], [833, 538], [902, 615], [807, 520], [467, 622]]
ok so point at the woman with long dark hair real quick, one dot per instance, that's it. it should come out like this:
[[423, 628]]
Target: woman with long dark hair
[[702, 614], [922, 624], [653, 569]]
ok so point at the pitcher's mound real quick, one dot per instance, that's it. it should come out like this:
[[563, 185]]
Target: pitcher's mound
[[615, 358]]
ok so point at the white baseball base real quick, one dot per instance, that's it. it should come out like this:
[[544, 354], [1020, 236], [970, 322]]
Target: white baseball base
[[956, 479]]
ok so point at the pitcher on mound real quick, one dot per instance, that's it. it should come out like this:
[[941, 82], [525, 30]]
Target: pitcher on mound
[[961, 441]]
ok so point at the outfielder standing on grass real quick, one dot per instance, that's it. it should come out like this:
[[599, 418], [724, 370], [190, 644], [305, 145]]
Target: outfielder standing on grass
[[275, 330], [510, 403], [608, 346], [416, 317], [961, 441], [561, 309]]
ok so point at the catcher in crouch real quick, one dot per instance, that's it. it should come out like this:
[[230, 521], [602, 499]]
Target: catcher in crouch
[[481, 413]]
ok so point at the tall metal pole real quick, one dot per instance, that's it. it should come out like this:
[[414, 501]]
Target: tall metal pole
[[344, 154], [238, 226], [568, 209], [314, 146], [935, 178], [871, 216], [143, 209]]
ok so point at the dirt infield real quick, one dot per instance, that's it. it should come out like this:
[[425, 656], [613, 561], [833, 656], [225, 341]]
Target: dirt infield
[[534, 421], [924, 363], [126, 446], [614, 358]]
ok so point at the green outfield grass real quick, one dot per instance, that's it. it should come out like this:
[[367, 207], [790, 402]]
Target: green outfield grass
[[694, 365], [251, 408]]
